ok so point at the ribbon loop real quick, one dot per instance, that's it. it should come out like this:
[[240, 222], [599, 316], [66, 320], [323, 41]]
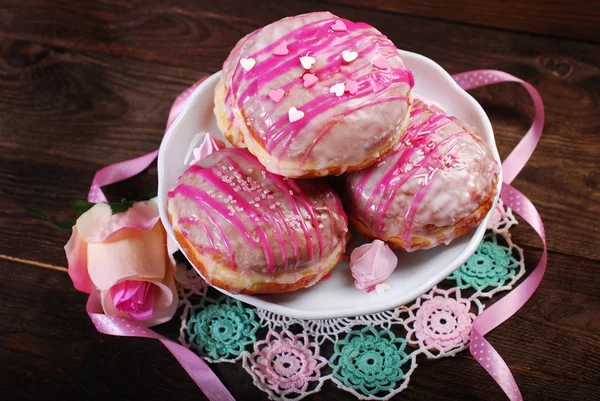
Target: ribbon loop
[[518, 157]]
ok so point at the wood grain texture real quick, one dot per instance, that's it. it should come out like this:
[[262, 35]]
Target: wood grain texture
[[562, 18], [127, 94], [85, 84], [53, 352]]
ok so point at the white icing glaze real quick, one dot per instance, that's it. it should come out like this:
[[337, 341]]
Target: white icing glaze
[[336, 131]]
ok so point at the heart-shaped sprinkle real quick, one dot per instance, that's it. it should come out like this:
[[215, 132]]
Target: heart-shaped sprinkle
[[338, 89], [276, 95], [247, 63], [281, 50], [381, 63], [352, 87], [339, 26], [309, 80], [349, 56], [307, 62], [294, 114]]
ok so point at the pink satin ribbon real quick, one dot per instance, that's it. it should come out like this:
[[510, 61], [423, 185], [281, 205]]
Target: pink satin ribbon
[[502, 310], [491, 318], [198, 370]]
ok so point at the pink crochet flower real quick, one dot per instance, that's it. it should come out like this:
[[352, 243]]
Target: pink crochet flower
[[440, 320], [502, 218], [286, 363]]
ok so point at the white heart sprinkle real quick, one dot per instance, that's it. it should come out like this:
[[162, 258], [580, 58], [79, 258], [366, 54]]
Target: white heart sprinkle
[[294, 114], [338, 89], [247, 63], [307, 62], [349, 56]]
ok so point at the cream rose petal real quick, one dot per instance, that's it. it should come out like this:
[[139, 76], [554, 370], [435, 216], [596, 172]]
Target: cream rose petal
[[99, 224], [76, 250], [133, 255], [165, 301]]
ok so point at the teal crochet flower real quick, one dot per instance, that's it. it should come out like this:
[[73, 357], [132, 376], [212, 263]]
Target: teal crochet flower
[[221, 329], [492, 265], [369, 361]]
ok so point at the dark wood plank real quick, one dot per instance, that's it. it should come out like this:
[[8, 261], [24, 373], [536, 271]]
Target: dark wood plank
[[90, 105], [184, 33], [85, 84], [563, 18], [52, 351]]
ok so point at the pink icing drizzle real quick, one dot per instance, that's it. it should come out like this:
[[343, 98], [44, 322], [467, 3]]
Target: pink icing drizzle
[[316, 38], [253, 209], [418, 137]]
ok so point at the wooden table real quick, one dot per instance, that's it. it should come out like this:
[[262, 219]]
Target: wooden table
[[89, 83]]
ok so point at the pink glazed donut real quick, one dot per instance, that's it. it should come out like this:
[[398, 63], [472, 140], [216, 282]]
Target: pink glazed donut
[[438, 183], [314, 95], [250, 231]]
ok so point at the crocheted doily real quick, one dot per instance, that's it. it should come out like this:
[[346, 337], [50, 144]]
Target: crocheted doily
[[371, 356]]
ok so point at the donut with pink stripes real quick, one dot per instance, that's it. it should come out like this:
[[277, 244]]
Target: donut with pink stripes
[[314, 95], [438, 183]]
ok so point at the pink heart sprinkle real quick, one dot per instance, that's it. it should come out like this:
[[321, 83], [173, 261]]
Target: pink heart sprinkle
[[281, 50], [309, 80], [339, 26], [276, 95], [352, 87], [381, 63]]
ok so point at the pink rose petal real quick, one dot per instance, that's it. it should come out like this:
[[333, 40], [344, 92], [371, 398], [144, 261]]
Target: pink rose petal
[[276, 95], [164, 300], [372, 264], [134, 298], [339, 26], [281, 50], [309, 80], [209, 145], [381, 63], [352, 87]]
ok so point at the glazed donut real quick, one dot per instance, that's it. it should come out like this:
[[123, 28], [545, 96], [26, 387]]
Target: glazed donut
[[314, 95], [250, 231], [436, 185]]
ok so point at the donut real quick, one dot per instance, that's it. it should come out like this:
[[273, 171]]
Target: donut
[[438, 183], [251, 231], [314, 95]]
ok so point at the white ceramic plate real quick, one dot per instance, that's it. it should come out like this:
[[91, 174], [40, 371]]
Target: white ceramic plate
[[337, 297]]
